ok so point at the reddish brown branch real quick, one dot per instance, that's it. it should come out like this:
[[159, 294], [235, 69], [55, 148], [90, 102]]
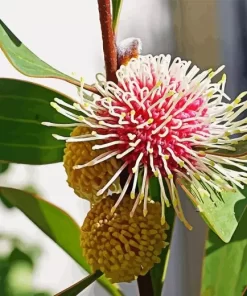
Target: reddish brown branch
[[109, 43]]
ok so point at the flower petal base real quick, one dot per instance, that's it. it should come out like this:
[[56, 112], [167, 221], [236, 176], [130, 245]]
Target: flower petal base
[[86, 182], [123, 247]]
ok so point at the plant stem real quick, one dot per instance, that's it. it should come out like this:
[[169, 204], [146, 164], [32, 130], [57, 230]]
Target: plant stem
[[145, 285], [90, 88], [85, 86], [108, 38]]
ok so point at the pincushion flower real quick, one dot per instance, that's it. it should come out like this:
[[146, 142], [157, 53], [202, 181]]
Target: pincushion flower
[[165, 119]]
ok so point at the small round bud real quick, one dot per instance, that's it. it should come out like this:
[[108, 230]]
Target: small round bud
[[87, 181]]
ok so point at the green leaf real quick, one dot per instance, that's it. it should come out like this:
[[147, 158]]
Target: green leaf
[[81, 285], [154, 188], [41, 294], [158, 272], [30, 189], [5, 202], [225, 265], [3, 167], [19, 281], [18, 255], [241, 150], [25, 61], [50, 220], [116, 9], [56, 224], [23, 139], [221, 211]]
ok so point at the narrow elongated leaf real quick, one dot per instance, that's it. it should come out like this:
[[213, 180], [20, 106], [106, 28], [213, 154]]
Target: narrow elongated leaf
[[225, 265], [56, 224], [116, 9], [3, 167], [5, 202], [221, 211], [241, 150], [81, 285], [24, 60], [158, 272], [23, 106]]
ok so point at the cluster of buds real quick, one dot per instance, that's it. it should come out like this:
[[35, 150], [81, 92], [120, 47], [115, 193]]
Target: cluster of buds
[[161, 119], [121, 246]]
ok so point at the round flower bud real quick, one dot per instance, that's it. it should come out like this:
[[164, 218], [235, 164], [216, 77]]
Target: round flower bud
[[87, 181], [121, 246]]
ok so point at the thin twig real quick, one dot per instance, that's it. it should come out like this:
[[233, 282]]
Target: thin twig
[[145, 285], [109, 42]]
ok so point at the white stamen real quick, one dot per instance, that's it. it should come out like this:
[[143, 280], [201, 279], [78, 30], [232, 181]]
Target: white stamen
[[135, 143], [102, 122], [132, 114], [142, 125], [121, 196], [61, 124], [102, 157], [125, 152], [61, 102], [144, 181], [95, 147], [145, 209], [135, 171], [162, 188], [108, 184], [162, 125], [131, 136]]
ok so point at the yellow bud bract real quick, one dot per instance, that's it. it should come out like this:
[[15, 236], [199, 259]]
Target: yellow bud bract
[[87, 181], [123, 247]]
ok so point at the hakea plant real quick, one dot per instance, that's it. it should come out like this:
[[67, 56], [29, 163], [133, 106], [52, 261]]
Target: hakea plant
[[161, 119], [147, 118], [155, 117]]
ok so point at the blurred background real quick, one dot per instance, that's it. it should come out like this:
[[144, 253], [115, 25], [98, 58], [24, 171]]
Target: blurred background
[[66, 34]]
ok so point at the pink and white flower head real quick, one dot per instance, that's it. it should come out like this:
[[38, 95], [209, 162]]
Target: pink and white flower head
[[164, 119]]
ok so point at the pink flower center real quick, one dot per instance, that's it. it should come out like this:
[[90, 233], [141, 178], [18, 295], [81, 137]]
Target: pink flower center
[[154, 122]]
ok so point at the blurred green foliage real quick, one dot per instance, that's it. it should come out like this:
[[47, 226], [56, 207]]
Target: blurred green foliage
[[17, 263], [3, 167], [30, 188], [17, 260]]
